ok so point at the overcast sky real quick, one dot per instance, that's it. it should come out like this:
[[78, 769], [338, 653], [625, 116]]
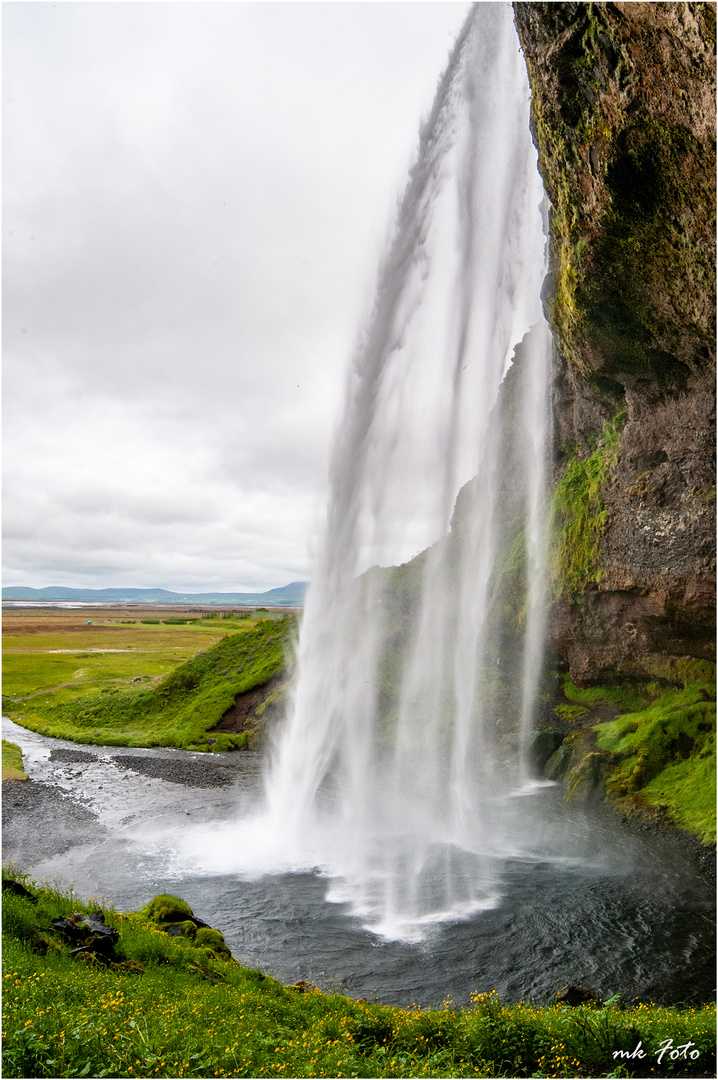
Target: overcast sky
[[196, 198]]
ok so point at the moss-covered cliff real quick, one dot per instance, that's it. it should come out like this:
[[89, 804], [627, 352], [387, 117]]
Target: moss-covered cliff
[[623, 116], [623, 109]]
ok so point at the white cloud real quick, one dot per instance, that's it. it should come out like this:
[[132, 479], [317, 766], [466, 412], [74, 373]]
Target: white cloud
[[196, 197]]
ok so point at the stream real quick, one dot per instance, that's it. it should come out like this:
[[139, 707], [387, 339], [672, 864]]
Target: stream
[[620, 912]]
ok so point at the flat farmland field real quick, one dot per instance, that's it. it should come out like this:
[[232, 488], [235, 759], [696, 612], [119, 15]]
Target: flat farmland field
[[56, 653], [154, 677]]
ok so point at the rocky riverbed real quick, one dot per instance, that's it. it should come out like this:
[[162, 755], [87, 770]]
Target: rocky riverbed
[[78, 797]]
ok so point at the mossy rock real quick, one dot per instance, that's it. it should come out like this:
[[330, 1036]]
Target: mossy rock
[[544, 746], [579, 515], [557, 765], [586, 779], [581, 766], [570, 713], [679, 670], [168, 909], [211, 939], [224, 743], [207, 936]]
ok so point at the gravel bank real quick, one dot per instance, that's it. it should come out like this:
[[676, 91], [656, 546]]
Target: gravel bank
[[39, 821], [72, 757], [190, 772]]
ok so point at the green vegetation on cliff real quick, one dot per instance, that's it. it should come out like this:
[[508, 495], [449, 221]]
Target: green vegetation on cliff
[[656, 758], [180, 1006], [578, 515], [666, 756], [623, 117], [177, 711]]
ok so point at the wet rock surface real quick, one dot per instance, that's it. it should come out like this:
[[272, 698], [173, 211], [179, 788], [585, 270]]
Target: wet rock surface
[[89, 932], [577, 995], [41, 820], [16, 887]]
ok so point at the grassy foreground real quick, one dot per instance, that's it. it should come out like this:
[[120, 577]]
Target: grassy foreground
[[124, 704], [181, 1007]]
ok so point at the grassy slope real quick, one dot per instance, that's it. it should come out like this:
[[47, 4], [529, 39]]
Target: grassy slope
[[660, 752], [176, 711], [12, 762], [190, 1013]]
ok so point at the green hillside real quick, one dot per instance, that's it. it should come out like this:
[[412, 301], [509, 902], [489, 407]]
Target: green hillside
[[178, 710]]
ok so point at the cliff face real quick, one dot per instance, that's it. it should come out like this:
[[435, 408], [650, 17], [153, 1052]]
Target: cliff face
[[623, 112]]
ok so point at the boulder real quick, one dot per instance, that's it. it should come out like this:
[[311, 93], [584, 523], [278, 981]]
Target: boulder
[[213, 940], [577, 995], [90, 934], [165, 909], [16, 887]]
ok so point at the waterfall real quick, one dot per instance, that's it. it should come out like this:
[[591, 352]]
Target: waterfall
[[410, 723]]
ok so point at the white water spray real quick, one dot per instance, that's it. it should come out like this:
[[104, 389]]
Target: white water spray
[[394, 770], [390, 771]]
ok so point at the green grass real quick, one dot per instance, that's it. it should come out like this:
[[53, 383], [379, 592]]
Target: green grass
[[177, 711], [12, 762], [178, 1009], [112, 654]]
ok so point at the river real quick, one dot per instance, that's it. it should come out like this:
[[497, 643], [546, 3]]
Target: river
[[619, 913]]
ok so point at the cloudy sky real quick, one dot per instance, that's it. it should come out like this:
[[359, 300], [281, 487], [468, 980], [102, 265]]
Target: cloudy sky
[[196, 197]]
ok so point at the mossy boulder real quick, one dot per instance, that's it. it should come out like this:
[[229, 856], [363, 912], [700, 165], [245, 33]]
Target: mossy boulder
[[222, 743], [544, 745], [581, 766], [213, 941], [168, 909], [557, 765], [586, 781]]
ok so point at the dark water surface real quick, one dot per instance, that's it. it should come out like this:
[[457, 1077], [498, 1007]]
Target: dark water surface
[[633, 917]]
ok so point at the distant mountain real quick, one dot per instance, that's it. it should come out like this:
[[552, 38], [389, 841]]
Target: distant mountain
[[287, 596]]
